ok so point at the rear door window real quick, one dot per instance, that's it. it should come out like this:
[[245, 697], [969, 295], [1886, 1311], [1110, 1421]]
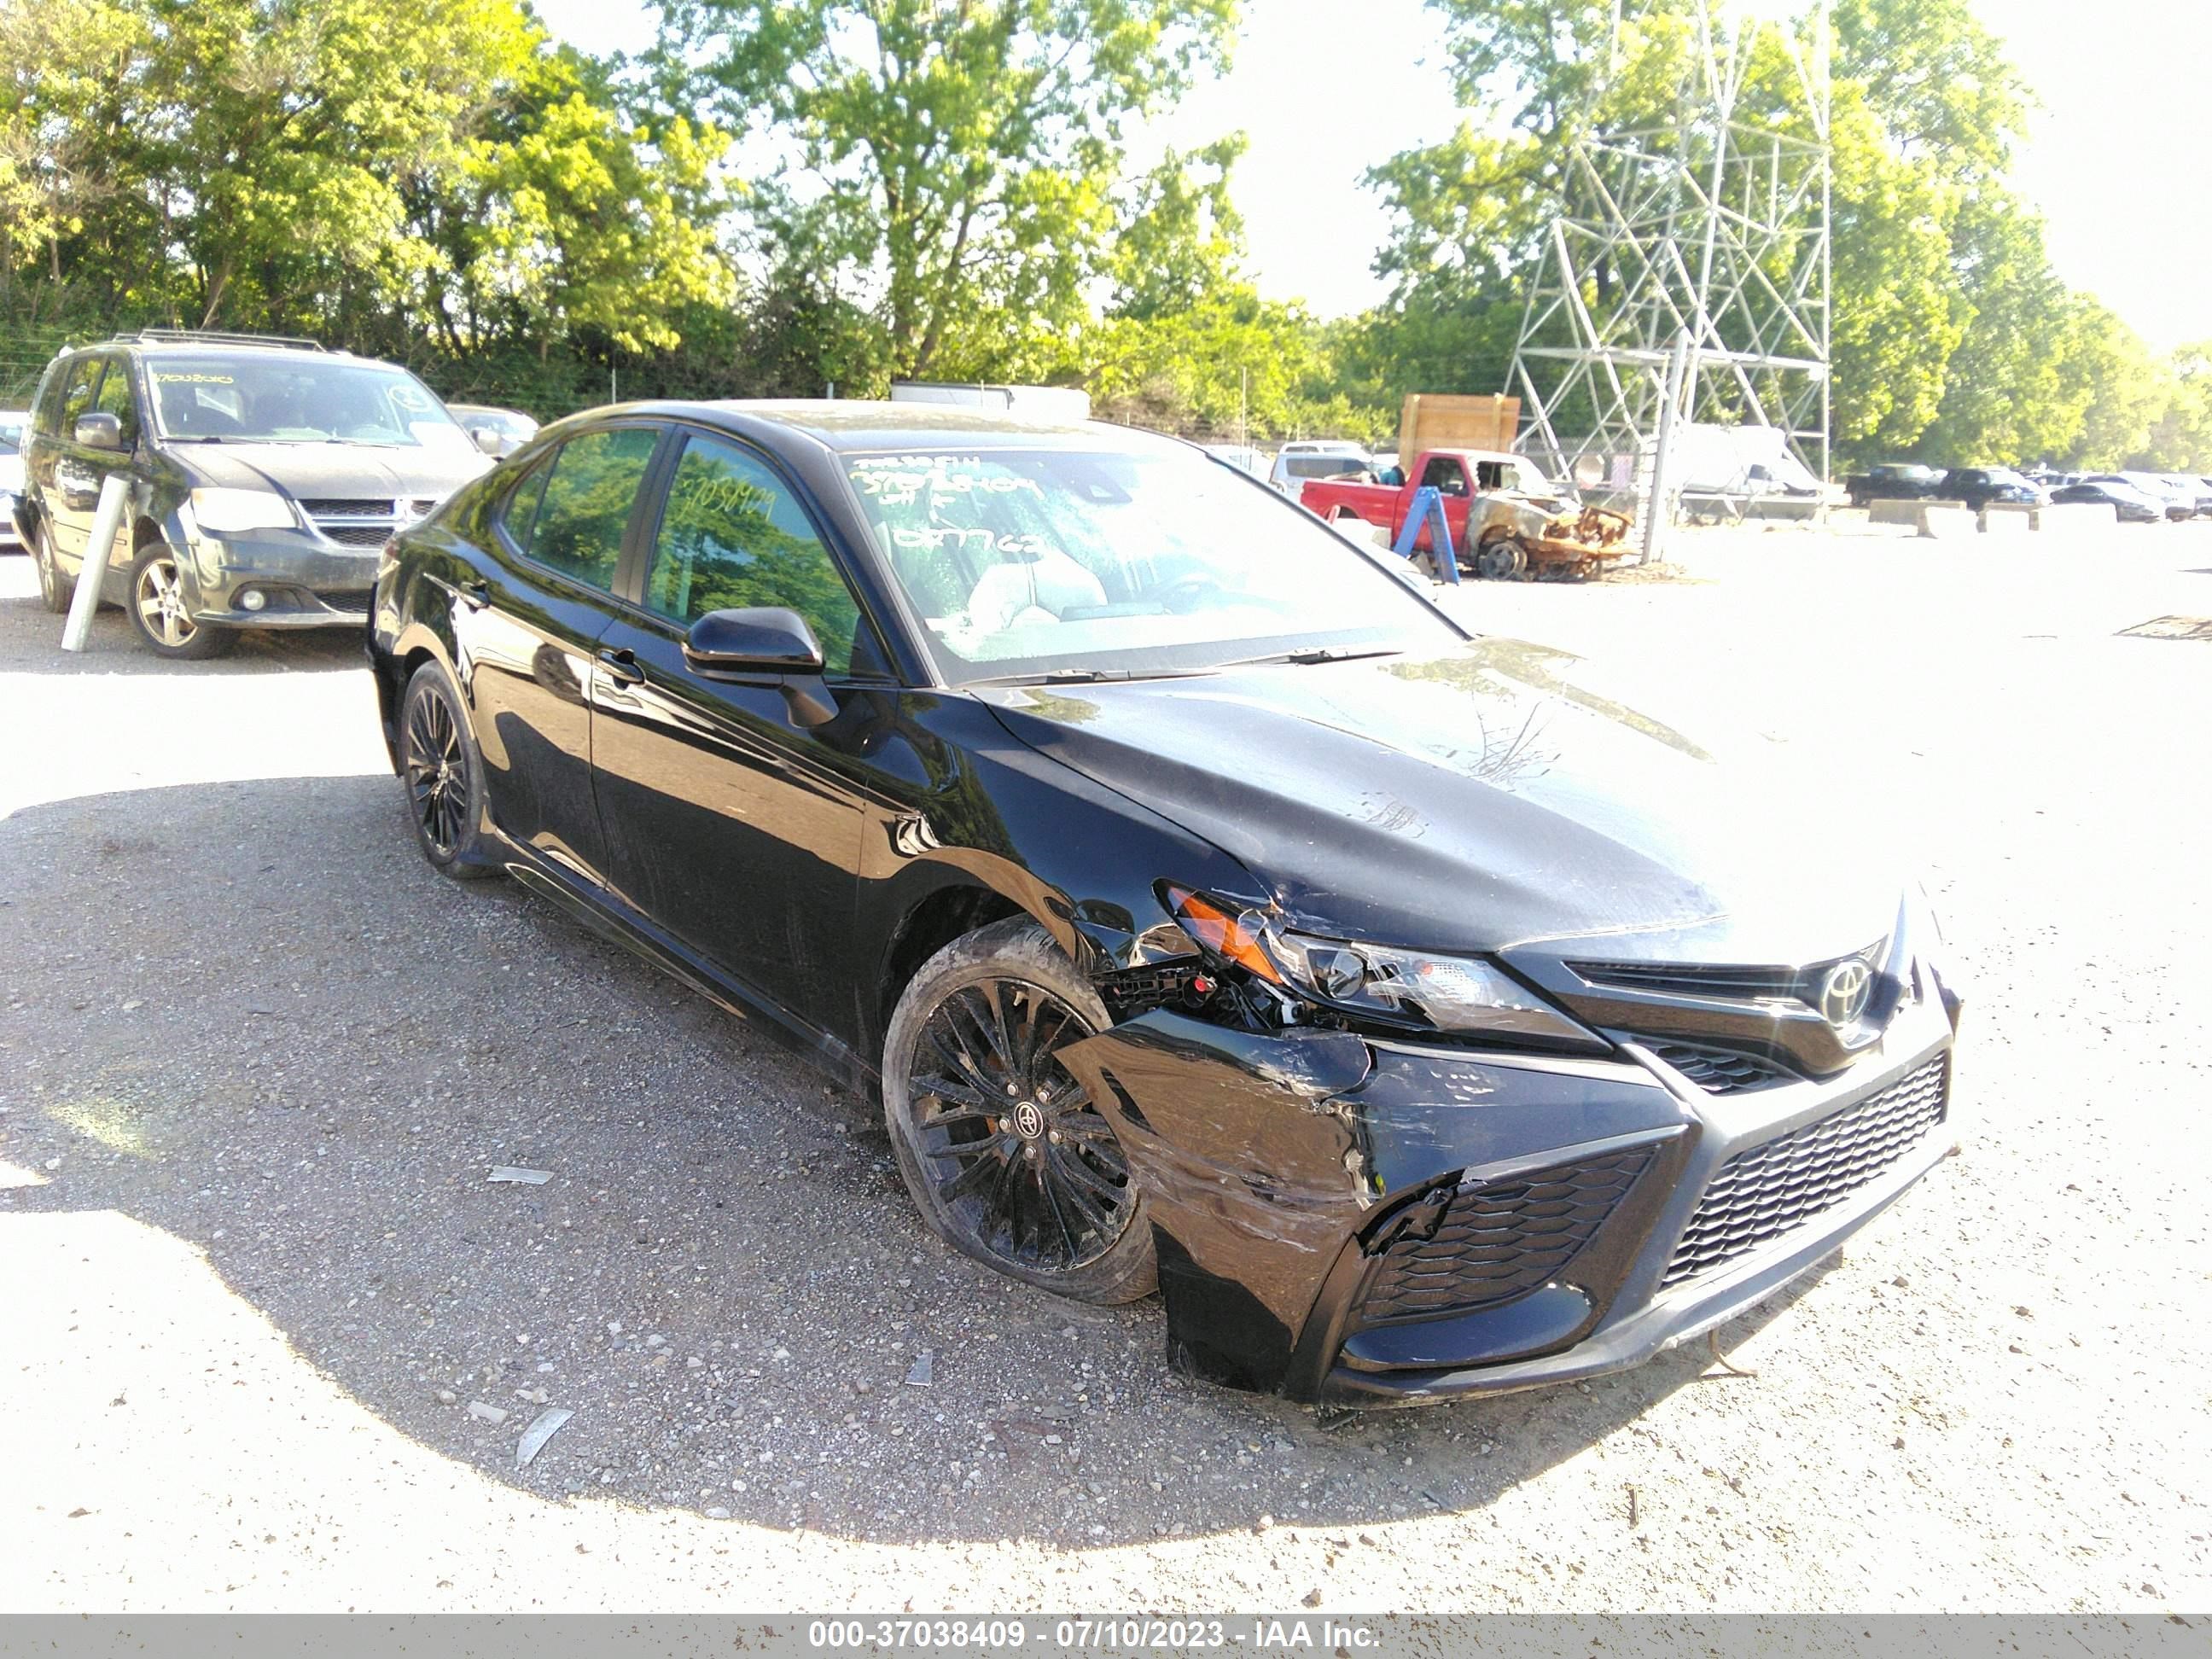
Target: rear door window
[[584, 511]]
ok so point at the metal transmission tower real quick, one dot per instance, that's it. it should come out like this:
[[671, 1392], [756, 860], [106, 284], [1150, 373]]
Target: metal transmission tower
[[1709, 232]]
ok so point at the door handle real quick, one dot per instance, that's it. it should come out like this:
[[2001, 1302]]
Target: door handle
[[621, 667], [475, 595]]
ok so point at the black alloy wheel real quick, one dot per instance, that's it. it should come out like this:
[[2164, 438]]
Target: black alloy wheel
[[436, 778], [444, 777], [1004, 1150], [1019, 1153]]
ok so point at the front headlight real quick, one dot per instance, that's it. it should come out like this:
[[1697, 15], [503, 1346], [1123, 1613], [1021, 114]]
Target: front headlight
[[229, 511], [1422, 990]]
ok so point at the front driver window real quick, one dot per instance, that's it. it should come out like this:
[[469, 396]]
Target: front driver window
[[77, 400], [589, 491], [1446, 476], [117, 399], [731, 538]]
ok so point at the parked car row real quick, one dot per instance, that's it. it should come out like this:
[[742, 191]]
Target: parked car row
[[2136, 497], [1977, 486], [2141, 497]]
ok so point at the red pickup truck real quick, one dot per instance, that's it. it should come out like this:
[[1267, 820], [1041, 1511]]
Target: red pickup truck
[[1458, 474], [1524, 523]]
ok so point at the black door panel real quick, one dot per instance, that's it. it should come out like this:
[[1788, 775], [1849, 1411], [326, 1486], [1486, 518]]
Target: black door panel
[[724, 821], [529, 636], [732, 824]]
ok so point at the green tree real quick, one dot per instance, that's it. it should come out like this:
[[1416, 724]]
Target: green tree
[[2180, 439], [949, 160], [564, 218], [1926, 111], [1182, 238]]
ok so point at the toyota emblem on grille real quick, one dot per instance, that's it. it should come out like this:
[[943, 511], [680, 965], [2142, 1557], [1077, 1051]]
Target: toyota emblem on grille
[[1844, 993]]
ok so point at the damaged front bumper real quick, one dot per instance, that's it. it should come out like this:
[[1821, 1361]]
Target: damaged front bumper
[[1352, 1221]]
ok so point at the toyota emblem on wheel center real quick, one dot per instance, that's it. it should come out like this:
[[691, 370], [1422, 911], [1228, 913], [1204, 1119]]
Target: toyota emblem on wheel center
[[1844, 993], [1029, 1123]]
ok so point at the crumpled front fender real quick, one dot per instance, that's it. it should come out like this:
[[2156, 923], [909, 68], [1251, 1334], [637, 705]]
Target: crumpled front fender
[[1262, 1155]]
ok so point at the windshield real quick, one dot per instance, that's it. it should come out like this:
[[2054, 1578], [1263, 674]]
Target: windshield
[[238, 397], [1026, 563]]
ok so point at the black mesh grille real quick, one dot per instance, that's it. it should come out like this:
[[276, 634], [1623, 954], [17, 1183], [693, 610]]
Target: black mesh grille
[[348, 507], [358, 535], [422, 506], [1765, 1190], [1721, 1071], [1474, 1247]]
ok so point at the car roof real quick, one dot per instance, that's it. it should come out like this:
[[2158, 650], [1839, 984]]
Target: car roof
[[853, 426], [1502, 455], [229, 348]]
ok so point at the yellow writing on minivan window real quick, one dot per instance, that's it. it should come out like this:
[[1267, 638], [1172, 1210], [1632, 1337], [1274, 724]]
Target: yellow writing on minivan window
[[193, 379]]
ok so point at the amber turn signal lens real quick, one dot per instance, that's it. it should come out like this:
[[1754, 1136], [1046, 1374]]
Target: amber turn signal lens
[[1226, 936]]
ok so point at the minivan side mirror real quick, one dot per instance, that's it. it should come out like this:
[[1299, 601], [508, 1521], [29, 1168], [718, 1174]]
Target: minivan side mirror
[[764, 642], [492, 441], [100, 430]]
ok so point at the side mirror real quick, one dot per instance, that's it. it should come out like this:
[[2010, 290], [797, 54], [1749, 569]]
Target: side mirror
[[763, 642], [491, 440], [100, 430]]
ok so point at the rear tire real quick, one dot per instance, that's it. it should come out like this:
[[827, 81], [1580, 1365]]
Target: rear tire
[[443, 775], [1004, 1153]]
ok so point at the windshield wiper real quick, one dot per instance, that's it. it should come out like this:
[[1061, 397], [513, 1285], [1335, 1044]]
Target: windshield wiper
[[1092, 676], [1323, 653]]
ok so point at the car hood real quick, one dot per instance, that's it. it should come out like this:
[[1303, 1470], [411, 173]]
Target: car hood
[[11, 475], [1490, 800], [334, 470]]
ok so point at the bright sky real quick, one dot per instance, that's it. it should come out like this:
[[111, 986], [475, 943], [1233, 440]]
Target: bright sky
[[1324, 89]]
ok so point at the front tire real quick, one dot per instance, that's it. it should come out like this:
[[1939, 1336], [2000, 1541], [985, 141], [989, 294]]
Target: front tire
[[1005, 1155], [161, 614], [443, 774]]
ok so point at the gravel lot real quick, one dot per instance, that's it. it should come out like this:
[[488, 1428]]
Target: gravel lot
[[255, 1062]]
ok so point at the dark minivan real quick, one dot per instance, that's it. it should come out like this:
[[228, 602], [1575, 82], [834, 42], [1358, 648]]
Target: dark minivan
[[263, 477]]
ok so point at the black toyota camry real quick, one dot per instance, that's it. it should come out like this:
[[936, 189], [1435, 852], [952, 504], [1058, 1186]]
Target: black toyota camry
[[1205, 907]]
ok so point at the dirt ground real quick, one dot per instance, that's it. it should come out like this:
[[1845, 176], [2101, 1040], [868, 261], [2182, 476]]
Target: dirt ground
[[262, 1305]]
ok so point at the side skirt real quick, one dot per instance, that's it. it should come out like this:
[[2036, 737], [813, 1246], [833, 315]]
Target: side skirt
[[619, 923]]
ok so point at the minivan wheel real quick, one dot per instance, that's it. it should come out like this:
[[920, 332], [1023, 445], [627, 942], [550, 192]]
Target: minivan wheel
[[1005, 1155], [444, 775], [160, 612], [55, 590]]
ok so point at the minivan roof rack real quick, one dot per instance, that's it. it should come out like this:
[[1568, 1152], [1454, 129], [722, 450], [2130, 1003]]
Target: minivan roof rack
[[215, 336]]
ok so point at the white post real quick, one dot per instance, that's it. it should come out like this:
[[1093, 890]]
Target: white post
[[1655, 507], [106, 521]]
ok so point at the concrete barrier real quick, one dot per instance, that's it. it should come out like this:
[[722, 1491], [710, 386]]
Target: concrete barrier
[[2008, 518], [1935, 520], [2073, 518]]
